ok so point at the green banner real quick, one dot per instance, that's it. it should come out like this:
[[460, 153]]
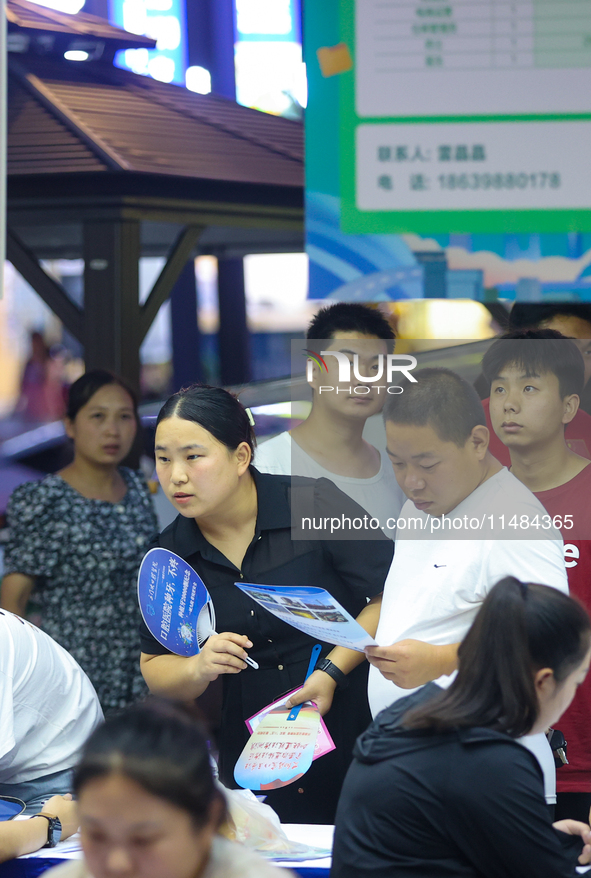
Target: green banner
[[436, 129]]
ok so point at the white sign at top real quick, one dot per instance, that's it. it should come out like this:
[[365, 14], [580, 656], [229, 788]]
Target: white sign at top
[[472, 57], [264, 16]]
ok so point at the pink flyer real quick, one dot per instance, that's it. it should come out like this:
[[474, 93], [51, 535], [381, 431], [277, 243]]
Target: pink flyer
[[324, 742]]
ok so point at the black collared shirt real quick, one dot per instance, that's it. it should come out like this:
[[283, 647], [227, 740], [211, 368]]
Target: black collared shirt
[[351, 570]]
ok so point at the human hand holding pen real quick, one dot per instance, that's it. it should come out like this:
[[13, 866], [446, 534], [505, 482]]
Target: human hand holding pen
[[222, 654]]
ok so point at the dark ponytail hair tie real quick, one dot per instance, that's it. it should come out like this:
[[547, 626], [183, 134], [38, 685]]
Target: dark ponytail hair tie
[[524, 589]]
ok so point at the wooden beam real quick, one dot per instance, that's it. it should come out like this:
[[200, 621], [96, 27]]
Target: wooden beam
[[187, 367], [181, 251], [45, 286], [188, 212], [111, 294], [233, 335]]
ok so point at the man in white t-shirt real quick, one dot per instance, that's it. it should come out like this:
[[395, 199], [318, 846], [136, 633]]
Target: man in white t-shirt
[[48, 708], [329, 443], [468, 522]]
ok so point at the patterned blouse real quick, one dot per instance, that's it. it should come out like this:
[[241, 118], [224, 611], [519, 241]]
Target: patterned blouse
[[84, 555]]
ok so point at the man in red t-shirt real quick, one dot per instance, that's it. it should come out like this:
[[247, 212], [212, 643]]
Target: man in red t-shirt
[[577, 435], [536, 379]]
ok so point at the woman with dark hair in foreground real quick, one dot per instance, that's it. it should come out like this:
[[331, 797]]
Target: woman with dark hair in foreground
[[440, 787], [148, 804]]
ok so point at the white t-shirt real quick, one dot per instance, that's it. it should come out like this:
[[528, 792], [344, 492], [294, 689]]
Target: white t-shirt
[[379, 495], [435, 587], [48, 706], [501, 508]]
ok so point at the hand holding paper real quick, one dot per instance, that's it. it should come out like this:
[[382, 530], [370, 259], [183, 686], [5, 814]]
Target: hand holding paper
[[412, 663], [319, 688], [283, 742]]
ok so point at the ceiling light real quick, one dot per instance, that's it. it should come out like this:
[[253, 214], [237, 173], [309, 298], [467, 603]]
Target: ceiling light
[[70, 6], [198, 79], [76, 55]]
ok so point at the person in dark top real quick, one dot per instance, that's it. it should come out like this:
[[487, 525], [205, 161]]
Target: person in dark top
[[77, 538], [236, 523], [439, 787]]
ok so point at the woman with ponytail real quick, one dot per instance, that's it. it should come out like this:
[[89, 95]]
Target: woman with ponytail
[[440, 786]]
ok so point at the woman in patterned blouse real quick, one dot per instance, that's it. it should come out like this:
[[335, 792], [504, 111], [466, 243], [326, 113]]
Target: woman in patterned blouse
[[77, 538]]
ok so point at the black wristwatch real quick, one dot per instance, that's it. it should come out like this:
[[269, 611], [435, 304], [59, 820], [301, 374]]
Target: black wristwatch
[[325, 664], [54, 829]]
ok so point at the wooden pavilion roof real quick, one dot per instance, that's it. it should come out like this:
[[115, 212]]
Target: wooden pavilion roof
[[23, 15], [90, 141], [72, 117]]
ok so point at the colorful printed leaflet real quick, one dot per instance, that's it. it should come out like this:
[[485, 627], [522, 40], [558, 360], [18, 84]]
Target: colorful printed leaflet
[[279, 751], [313, 611], [324, 741]]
